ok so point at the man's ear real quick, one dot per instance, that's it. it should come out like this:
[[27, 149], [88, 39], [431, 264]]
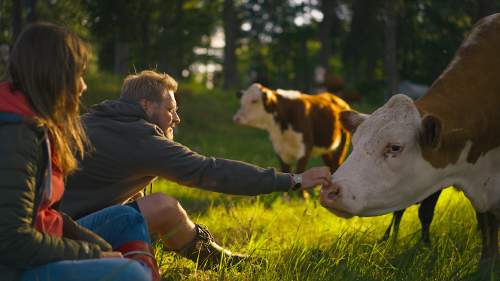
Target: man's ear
[[430, 134], [146, 105], [143, 103], [352, 119]]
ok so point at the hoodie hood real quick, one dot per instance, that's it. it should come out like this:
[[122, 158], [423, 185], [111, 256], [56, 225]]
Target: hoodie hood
[[13, 101], [119, 110]]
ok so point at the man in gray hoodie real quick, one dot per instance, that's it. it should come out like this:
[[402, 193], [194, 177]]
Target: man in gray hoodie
[[132, 141]]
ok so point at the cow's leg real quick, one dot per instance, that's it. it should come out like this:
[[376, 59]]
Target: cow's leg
[[301, 164], [328, 160], [488, 224], [426, 214], [285, 168], [338, 156], [395, 221]]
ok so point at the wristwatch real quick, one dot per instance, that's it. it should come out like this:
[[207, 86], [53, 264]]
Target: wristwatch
[[296, 181]]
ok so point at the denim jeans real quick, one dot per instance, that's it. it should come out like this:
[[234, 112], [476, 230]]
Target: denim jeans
[[117, 225]]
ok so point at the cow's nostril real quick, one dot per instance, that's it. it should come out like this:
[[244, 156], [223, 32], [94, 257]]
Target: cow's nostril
[[332, 195], [331, 192]]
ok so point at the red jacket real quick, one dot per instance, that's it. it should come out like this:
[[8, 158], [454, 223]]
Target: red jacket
[[48, 220]]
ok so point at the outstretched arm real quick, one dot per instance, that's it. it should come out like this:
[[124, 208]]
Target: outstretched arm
[[178, 163]]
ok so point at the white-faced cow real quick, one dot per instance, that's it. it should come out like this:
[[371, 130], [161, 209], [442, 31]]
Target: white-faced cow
[[406, 150], [299, 125]]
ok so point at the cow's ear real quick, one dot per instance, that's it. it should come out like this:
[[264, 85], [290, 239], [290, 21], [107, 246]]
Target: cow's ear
[[431, 131], [239, 94], [352, 119]]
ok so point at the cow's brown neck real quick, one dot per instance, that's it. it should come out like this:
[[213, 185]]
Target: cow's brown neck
[[466, 98]]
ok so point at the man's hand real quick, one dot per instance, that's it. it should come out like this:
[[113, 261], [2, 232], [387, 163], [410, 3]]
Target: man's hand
[[105, 255], [316, 176]]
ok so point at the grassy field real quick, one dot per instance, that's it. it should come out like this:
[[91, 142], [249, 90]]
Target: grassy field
[[301, 240]]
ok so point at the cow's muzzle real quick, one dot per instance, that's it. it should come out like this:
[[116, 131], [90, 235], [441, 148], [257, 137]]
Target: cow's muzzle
[[329, 194], [237, 119], [331, 197]]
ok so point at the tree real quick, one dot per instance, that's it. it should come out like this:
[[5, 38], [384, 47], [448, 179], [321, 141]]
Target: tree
[[280, 45], [115, 25], [363, 49], [486, 7], [230, 34], [391, 11], [31, 10], [436, 28], [16, 19], [326, 32]]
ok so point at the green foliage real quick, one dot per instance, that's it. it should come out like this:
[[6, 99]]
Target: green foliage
[[280, 53], [101, 86], [159, 34], [362, 49], [437, 28], [69, 13], [280, 44], [5, 21]]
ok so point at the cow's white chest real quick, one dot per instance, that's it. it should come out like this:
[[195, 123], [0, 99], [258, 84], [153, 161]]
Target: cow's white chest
[[481, 181], [288, 144]]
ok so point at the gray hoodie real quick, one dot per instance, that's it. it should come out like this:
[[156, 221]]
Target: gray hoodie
[[129, 153]]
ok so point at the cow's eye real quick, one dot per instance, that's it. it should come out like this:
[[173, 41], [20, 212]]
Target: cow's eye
[[254, 101], [392, 150], [396, 148]]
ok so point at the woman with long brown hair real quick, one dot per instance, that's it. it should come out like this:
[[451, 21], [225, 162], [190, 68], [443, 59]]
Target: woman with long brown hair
[[40, 134]]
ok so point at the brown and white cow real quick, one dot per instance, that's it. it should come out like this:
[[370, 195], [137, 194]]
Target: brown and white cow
[[406, 150], [299, 125]]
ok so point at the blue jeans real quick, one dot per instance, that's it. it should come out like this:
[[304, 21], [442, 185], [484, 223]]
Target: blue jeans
[[117, 225]]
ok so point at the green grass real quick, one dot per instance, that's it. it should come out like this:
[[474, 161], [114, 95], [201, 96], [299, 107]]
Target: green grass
[[302, 240]]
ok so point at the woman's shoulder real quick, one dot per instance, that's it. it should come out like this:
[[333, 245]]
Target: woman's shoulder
[[20, 139]]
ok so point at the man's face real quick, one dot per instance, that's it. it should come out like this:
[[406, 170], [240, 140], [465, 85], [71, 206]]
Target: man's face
[[163, 113]]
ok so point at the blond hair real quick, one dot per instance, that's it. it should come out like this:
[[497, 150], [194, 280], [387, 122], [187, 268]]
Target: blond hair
[[147, 84]]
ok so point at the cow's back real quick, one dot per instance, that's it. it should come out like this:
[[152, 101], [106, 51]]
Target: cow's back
[[466, 97], [333, 100], [325, 125]]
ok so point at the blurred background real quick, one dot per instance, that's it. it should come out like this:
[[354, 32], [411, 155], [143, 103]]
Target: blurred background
[[361, 49]]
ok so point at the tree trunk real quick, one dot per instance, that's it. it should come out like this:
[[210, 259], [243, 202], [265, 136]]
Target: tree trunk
[[230, 34], [145, 15], [16, 20], [31, 15], [363, 47], [121, 57], [171, 57], [326, 32], [176, 67], [305, 68], [390, 48], [485, 8]]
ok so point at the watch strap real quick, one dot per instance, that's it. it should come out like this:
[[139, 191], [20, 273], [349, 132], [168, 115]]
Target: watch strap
[[296, 181]]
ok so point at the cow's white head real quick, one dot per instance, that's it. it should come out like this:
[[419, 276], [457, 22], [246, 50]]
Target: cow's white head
[[256, 102], [385, 171]]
